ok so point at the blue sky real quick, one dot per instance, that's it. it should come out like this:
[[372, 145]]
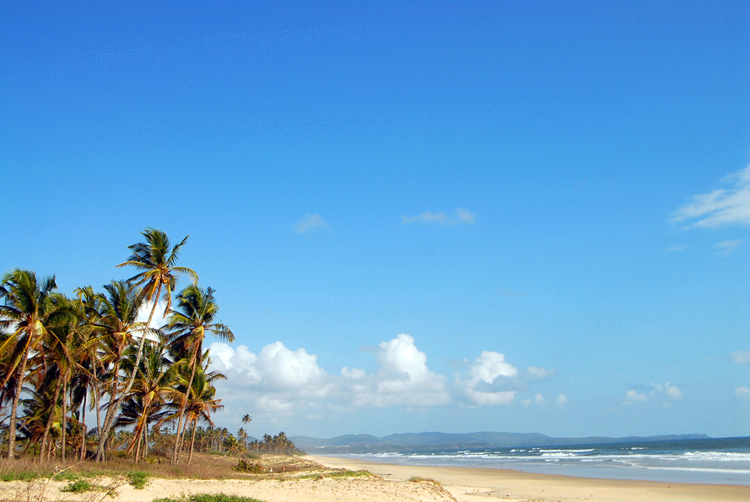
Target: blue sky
[[444, 216]]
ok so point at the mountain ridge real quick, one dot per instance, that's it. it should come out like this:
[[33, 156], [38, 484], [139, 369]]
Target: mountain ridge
[[441, 441]]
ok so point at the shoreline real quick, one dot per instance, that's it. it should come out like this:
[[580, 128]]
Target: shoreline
[[472, 484]]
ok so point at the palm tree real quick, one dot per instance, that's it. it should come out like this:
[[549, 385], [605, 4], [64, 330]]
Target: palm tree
[[188, 324], [118, 317], [202, 401], [152, 389], [246, 419], [157, 261], [28, 310]]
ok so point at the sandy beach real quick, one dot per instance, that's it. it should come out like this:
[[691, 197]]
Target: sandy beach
[[474, 485], [392, 483]]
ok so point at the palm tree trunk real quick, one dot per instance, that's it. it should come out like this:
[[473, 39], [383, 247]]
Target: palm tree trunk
[[14, 408], [64, 418], [183, 407], [192, 441], [83, 427], [48, 426], [109, 417], [145, 441], [108, 426]]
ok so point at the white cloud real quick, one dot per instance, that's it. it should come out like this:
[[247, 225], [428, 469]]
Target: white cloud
[[742, 393], [668, 389], [536, 373], [561, 400], [278, 381], [465, 216], [158, 320], [632, 397], [311, 223], [489, 366], [354, 373], [675, 249], [659, 392], [539, 399], [488, 369], [721, 207], [403, 377], [740, 357], [275, 380], [462, 217], [725, 248]]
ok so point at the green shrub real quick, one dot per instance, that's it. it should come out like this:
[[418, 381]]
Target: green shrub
[[77, 486], [137, 479], [209, 497], [19, 476], [251, 467]]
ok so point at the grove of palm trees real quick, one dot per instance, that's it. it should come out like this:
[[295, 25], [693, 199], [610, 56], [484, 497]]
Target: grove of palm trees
[[71, 360]]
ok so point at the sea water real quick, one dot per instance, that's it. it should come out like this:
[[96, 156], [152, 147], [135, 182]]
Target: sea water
[[711, 461]]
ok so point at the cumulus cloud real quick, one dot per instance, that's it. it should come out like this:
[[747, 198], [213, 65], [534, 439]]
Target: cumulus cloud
[[278, 380], [633, 396], [740, 356], [726, 248], [742, 393], [275, 380], [311, 223], [461, 217], [487, 374], [561, 400], [403, 377], [721, 207]]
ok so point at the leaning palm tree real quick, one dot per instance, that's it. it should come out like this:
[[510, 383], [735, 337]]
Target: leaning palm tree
[[118, 318], [194, 317], [27, 310], [156, 260]]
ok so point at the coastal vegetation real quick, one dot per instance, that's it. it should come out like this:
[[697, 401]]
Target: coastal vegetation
[[64, 357]]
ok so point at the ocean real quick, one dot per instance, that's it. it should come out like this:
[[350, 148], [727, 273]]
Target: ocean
[[710, 461]]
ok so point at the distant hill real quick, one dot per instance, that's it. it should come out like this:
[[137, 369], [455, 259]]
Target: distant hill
[[440, 441]]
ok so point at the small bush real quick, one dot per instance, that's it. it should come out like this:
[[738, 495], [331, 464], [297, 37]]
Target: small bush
[[78, 486], [19, 476], [419, 479], [137, 479], [209, 497], [251, 467]]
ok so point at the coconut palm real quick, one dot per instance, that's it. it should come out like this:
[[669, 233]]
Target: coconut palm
[[118, 317], [194, 317], [27, 311], [156, 260], [153, 388], [202, 401]]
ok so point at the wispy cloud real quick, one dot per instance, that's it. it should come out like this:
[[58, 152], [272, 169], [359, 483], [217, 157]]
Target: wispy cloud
[[675, 249], [658, 392], [460, 217], [742, 393], [740, 356], [311, 223], [725, 248], [510, 293], [721, 207]]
